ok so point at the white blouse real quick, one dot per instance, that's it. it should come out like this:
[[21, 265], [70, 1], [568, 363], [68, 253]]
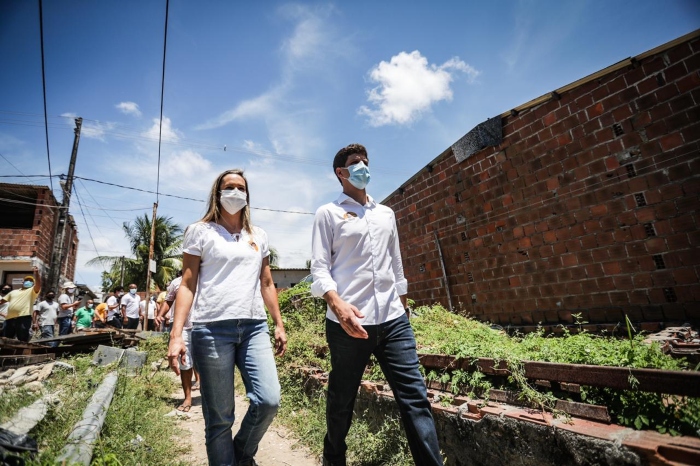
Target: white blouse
[[229, 272]]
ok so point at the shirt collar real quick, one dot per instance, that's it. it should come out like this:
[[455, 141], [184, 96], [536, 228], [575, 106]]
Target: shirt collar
[[344, 198]]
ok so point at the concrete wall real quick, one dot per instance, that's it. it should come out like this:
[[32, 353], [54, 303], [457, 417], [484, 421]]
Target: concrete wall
[[589, 205], [286, 278]]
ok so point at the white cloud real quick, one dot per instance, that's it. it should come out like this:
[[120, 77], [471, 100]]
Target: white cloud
[[252, 108], [408, 86], [69, 115], [129, 108], [168, 133], [96, 129]]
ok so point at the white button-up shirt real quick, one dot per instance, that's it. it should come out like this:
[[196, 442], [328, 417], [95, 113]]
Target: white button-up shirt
[[355, 252]]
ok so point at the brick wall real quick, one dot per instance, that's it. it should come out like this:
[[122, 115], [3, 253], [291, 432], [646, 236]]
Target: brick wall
[[589, 205], [20, 243]]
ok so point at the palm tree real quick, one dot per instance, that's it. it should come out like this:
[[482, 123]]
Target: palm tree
[[166, 253]]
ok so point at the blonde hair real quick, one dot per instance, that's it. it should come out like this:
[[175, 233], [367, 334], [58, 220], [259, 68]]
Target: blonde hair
[[214, 204]]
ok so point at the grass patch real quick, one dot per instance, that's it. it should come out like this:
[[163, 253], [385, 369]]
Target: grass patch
[[442, 332], [138, 408]]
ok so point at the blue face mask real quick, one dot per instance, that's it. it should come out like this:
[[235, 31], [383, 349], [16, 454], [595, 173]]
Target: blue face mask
[[132, 290], [359, 175], [28, 284]]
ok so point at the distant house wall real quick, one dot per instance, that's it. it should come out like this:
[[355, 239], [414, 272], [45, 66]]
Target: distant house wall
[[589, 205], [27, 232], [287, 278]]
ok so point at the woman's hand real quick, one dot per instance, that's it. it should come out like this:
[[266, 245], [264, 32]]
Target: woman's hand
[[280, 340], [177, 350]]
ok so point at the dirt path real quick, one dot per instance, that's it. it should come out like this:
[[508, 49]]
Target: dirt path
[[278, 447]]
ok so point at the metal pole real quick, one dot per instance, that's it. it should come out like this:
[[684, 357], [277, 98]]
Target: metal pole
[[148, 267], [444, 272], [58, 253]]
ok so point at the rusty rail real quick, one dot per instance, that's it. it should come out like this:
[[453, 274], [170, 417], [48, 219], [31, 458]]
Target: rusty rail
[[684, 383]]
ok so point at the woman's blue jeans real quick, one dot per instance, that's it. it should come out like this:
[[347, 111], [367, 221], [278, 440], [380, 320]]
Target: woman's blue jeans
[[394, 346], [216, 348]]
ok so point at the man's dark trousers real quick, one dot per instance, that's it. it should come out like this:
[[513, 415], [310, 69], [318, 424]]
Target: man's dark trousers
[[394, 346], [19, 328]]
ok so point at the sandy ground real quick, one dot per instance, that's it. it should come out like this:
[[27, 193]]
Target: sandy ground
[[278, 446]]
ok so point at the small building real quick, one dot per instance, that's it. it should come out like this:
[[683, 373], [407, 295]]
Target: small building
[[287, 278], [28, 231], [582, 205]]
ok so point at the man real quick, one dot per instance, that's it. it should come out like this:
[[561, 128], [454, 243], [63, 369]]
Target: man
[[186, 369], [148, 316], [114, 319], [3, 307], [164, 326], [100, 318], [83, 317], [21, 305], [45, 317], [357, 269], [67, 305], [130, 306]]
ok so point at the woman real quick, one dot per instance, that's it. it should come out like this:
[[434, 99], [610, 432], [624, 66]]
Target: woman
[[226, 265]]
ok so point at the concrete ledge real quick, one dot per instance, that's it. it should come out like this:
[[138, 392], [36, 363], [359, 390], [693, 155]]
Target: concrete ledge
[[475, 432]]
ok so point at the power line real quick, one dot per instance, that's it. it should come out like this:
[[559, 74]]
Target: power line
[[162, 91], [183, 197], [80, 204], [43, 82]]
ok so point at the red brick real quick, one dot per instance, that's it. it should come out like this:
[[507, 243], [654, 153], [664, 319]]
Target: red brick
[[671, 141]]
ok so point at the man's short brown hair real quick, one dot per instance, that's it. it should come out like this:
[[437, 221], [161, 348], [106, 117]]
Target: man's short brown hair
[[341, 157]]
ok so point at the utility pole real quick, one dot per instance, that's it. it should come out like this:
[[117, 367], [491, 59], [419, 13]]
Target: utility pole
[[58, 253], [148, 267], [121, 279]]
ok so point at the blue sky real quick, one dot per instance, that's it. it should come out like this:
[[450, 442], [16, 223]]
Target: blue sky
[[282, 86]]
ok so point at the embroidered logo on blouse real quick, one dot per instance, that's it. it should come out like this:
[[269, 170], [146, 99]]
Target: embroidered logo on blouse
[[349, 215], [253, 245]]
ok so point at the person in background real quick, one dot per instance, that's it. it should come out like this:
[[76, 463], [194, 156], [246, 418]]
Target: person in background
[[148, 316], [186, 369], [130, 305], [114, 318], [226, 286], [356, 266], [164, 323], [99, 320], [67, 305], [21, 305], [45, 317], [3, 307], [82, 318]]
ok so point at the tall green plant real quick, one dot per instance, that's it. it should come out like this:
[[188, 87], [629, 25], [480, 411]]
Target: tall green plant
[[166, 252]]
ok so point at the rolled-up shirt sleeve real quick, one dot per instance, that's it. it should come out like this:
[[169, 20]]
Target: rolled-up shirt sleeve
[[321, 251], [396, 263]]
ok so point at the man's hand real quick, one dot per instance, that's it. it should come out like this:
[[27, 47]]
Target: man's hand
[[347, 316], [280, 340], [159, 320]]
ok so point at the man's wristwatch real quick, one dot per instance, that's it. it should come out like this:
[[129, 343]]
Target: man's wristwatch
[[408, 310]]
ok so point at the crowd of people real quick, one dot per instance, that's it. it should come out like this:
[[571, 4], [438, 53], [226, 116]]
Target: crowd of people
[[25, 316], [217, 312]]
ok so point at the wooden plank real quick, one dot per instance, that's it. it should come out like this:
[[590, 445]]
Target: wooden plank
[[25, 360]]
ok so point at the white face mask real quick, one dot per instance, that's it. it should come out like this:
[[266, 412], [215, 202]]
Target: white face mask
[[70, 290], [233, 200]]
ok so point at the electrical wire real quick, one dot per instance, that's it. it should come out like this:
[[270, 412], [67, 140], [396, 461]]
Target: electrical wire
[[162, 91], [43, 82], [80, 204]]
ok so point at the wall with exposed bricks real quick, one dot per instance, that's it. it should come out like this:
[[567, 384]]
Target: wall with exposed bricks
[[589, 205], [37, 242]]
